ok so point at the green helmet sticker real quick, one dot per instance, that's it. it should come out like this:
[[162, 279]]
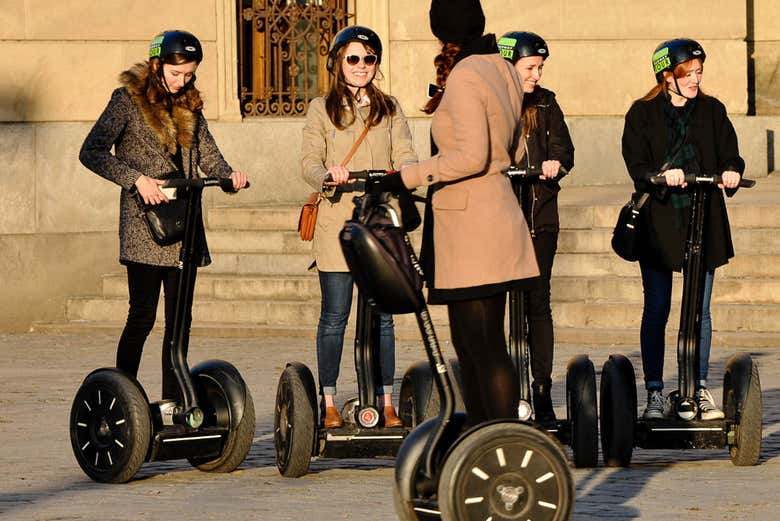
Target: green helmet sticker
[[661, 60], [507, 47], [156, 45]]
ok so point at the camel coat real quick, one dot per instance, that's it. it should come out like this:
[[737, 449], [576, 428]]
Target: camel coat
[[480, 235], [387, 145]]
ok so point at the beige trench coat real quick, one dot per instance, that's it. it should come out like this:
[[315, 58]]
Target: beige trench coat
[[480, 236], [386, 146]]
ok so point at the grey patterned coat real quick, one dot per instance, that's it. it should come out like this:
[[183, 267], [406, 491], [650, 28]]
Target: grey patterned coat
[[144, 134]]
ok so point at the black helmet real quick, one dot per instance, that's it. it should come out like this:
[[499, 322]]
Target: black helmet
[[168, 43], [672, 53], [516, 45], [354, 33]]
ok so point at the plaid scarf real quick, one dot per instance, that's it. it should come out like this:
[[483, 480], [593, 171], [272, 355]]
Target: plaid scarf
[[679, 153]]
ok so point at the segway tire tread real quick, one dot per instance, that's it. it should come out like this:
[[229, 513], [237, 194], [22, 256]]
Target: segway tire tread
[[583, 412], [295, 405], [746, 450], [618, 411], [237, 444]]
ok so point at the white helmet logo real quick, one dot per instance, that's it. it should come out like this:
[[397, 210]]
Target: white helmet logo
[[696, 52], [362, 37], [189, 48], [542, 51]]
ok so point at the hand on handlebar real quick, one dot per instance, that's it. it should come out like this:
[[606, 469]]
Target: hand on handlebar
[[675, 177], [337, 175], [239, 181], [149, 190], [550, 169], [730, 179]]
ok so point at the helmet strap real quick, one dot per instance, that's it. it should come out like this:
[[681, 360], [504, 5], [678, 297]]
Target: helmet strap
[[678, 91]]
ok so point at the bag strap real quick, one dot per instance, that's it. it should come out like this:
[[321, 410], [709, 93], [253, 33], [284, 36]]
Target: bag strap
[[355, 146]]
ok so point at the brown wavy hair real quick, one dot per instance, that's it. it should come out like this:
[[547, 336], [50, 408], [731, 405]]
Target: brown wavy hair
[[530, 111], [381, 104], [663, 85], [444, 63]]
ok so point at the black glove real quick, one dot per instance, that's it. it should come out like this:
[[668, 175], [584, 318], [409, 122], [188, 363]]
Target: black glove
[[388, 183]]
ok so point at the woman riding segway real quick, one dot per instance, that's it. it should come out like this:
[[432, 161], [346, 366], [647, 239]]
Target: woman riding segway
[[156, 126], [482, 249]]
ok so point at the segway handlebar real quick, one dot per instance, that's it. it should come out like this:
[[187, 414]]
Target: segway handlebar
[[693, 179], [533, 172], [225, 183], [361, 180]]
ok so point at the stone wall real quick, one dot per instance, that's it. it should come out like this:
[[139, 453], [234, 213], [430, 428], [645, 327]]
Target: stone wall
[[61, 61]]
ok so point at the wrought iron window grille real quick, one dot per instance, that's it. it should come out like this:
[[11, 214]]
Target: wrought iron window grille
[[283, 48]]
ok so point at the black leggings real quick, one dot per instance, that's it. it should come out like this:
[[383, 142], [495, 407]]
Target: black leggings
[[143, 281], [490, 386], [540, 325]]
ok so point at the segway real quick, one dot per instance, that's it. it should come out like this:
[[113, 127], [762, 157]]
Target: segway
[[418, 401], [298, 436], [740, 430], [503, 469], [114, 428]]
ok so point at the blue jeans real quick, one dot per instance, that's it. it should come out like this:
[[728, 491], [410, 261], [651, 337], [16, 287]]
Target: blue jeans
[[657, 285], [336, 288]]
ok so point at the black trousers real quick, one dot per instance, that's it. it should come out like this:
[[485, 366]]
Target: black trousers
[[490, 386], [541, 341], [144, 282]]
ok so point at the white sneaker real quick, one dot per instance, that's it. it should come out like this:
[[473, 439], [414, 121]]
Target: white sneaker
[[657, 406], [707, 407]]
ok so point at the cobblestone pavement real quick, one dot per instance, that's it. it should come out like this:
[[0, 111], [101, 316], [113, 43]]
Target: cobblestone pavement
[[39, 375]]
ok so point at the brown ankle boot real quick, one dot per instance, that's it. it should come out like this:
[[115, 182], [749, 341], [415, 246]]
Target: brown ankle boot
[[391, 418], [332, 418]]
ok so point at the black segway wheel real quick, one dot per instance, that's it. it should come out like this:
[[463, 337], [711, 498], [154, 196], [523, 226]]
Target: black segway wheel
[[419, 398], [743, 406], [618, 411], [110, 427], [506, 470], [295, 420], [227, 404], [582, 410]]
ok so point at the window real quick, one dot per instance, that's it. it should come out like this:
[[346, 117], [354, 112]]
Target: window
[[283, 47]]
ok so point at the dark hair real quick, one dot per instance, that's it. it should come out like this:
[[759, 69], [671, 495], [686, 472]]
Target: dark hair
[[444, 63], [381, 104], [663, 86], [157, 93]]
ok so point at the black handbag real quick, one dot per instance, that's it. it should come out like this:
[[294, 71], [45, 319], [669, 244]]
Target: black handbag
[[165, 221], [627, 233]]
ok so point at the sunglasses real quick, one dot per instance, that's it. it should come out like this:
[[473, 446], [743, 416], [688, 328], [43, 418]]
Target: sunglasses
[[368, 59]]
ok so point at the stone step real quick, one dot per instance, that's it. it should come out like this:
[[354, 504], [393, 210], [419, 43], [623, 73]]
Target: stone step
[[603, 315], [278, 312], [620, 315], [742, 214], [753, 241], [609, 264], [225, 286], [270, 217], [237, 263], [629, 289], [564, 289], [603, 340]]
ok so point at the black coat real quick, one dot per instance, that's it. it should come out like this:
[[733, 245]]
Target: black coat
[[664, 227], [549, 141]]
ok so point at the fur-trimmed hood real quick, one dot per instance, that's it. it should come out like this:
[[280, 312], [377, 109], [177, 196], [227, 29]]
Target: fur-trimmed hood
[[173, 125]]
